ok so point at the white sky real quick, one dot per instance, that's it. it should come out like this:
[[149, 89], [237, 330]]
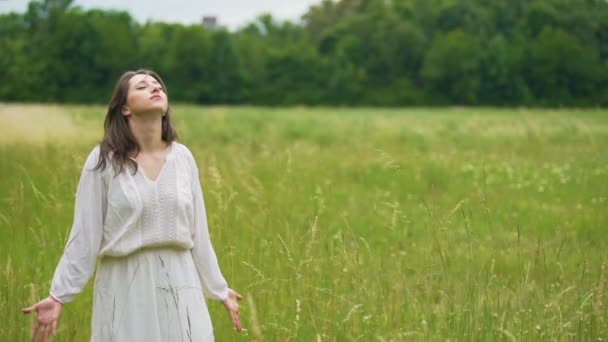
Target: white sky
[[230, 13]]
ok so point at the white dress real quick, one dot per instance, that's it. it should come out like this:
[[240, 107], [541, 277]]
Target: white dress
[[156, 258]]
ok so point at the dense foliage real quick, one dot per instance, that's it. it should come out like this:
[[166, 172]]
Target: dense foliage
[[348, 52]]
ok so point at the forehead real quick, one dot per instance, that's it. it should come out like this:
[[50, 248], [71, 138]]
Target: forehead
[[142, 78]]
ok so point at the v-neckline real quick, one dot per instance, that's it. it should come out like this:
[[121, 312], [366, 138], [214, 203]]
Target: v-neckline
[[141, 170]]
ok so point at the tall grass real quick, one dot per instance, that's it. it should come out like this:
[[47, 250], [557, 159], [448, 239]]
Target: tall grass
[[343, 225]]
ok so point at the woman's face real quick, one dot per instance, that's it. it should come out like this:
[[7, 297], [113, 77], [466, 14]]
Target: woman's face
[[145, 96]]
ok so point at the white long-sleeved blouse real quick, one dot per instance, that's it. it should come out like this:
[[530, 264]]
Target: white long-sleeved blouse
[[118, 215]]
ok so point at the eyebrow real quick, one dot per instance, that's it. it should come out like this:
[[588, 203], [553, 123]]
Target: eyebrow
[[144, 81]]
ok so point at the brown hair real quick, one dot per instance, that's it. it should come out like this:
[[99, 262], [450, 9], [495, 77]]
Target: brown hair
[[118, 139]]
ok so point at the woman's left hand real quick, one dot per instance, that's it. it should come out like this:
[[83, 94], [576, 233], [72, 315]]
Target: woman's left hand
[[232, 305]]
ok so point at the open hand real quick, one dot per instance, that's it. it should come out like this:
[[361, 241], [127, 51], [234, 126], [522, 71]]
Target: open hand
[[49, 311], [232, 305]]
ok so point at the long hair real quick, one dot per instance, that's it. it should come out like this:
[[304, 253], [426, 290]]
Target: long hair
[[118, 141]]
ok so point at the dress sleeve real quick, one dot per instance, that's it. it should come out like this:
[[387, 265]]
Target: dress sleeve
[[79, 258], [213, 282]]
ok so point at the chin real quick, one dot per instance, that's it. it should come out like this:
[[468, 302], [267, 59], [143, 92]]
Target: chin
[[159, 109]]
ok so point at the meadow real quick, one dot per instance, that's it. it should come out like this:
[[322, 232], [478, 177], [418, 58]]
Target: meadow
[[340, 224]]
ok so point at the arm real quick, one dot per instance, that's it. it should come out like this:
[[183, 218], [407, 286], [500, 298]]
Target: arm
[[80, 254], [213, 282]]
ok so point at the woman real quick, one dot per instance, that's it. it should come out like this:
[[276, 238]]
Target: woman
[[140, 209]]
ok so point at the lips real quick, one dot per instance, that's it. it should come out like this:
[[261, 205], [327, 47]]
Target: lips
[[156, 97]]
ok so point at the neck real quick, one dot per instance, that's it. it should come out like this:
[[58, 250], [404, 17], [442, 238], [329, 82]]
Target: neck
[[148, 132]]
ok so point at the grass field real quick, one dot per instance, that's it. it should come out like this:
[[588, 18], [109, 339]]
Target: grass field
[[454, 224]]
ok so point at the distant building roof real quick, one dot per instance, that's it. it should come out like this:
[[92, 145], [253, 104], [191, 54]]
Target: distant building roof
[[210, 22]]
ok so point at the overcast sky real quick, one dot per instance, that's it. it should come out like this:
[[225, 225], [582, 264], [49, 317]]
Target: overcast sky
[[230, 13]]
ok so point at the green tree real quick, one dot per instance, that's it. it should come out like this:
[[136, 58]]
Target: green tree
[[502, 81], [189, 72], [224, 70], [15, 68], [452, 66], [561, 70], [353, 52]]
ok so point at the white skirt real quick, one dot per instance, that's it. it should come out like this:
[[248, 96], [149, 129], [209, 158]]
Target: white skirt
[[152, 295]]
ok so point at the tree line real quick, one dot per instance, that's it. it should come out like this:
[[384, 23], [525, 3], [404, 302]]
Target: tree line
[[347, 52]]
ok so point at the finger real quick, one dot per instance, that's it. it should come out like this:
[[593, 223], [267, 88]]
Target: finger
[[54, 328], [41, 333], [234, 320], [30, 309], [35, 330], [49, 331], [238, 324], [238, 296]]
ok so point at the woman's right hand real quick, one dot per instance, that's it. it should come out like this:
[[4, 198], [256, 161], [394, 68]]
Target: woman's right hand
[[49, 311]]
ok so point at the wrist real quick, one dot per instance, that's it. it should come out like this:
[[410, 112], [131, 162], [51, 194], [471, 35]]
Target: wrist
[[225, 295], [54, 299]]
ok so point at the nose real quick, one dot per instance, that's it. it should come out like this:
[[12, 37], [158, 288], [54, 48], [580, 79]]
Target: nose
[[156, 88]]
